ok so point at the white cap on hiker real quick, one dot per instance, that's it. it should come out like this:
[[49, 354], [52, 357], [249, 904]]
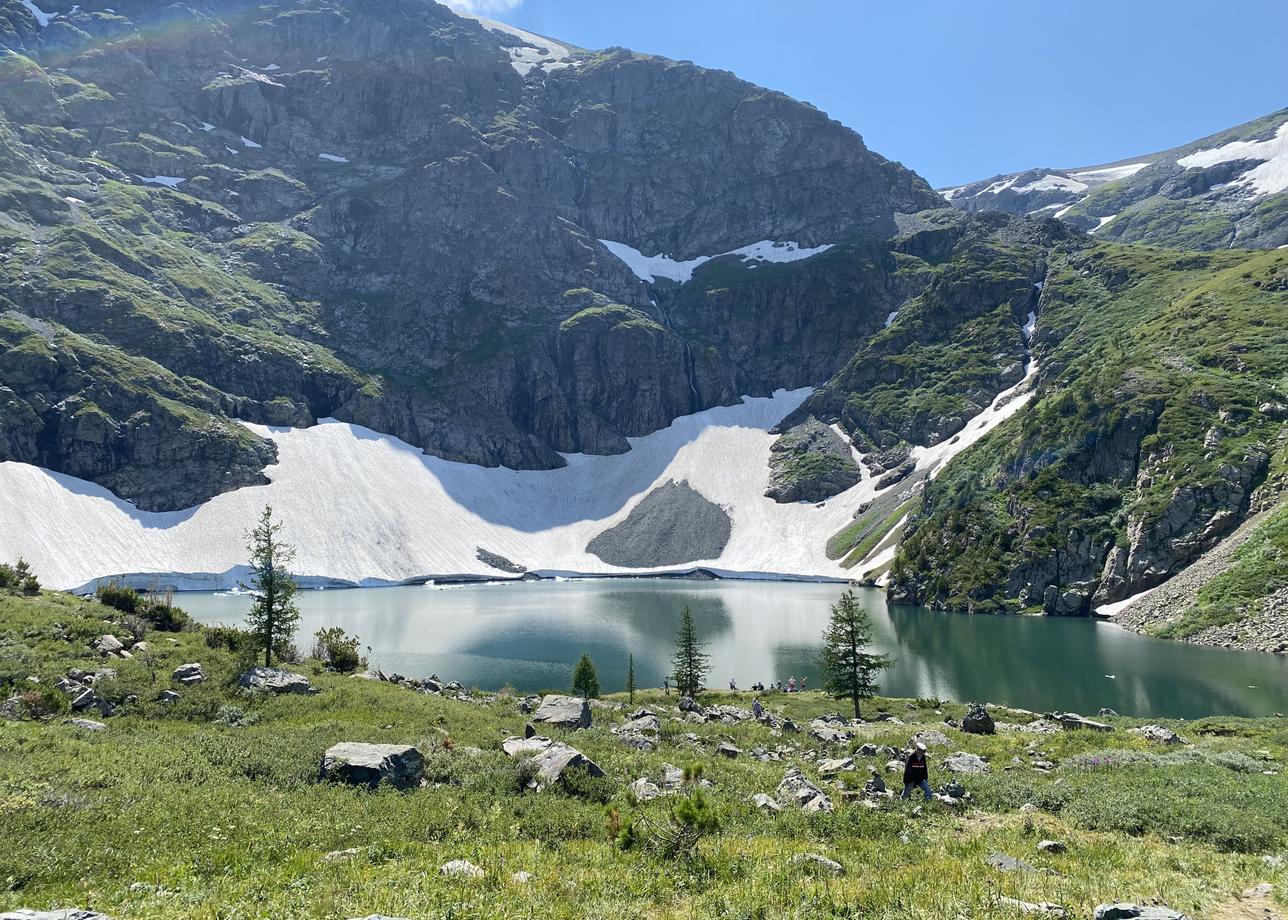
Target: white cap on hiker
[[921, 747]]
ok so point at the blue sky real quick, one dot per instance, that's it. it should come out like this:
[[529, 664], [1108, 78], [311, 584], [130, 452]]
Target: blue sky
[[963, 89]]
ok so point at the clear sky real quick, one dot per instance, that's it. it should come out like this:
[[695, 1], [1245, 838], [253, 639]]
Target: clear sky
[[963, 89]]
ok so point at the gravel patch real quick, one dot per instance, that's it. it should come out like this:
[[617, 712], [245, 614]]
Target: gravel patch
[[672, 524]]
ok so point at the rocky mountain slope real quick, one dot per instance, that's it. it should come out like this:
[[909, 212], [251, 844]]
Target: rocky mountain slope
[[391, 215], [1226, 190], [559, 273]]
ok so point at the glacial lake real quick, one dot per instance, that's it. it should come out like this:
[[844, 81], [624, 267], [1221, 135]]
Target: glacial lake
[[529, 634]]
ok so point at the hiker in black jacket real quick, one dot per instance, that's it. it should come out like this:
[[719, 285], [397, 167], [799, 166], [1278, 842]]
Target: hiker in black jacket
[[915, 772]]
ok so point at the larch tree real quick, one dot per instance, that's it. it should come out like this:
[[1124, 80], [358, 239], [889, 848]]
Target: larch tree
[[273, 617], [691, 662], [849, 665]]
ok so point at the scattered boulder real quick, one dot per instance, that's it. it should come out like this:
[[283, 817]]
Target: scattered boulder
[[1126, 911], [689, 704], [817, 862], [168, 696], [875, 785], [109, 645], [1158, 734], [559, 757], [1073, 720], [642, 790], [672, 776], [978, 721], [796, 790], [89, 725], [1004, 863], [571, 712], [930, 738], [790, 727], [1106, 711], [1028, 808], [523, 747], [460, 868], [521, 877], [647, 723], [725, 749], [765, 802], [189, 674], [963, 762], [274, 680], [1052, 846], [833, 767], [359, 764], [24, 913], [821, 731]]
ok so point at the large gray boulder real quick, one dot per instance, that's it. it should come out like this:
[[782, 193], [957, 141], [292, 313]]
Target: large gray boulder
[[558, 758], [1158, 733], [189, 674], [274, 680], [796, 789], [964, 762], [977, 721], [359, 764], [571, 712], [1073, 720]]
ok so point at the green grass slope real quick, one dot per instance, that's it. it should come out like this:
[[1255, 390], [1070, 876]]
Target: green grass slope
[[211, 808]]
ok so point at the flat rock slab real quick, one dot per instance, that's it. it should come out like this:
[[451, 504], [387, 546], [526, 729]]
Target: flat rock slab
[[963, 762], [274, 680], [1004, 863], [559, 757], [89, 725], [525, 747], [359, 764], [818, 862], [563, 711], [73, 913]]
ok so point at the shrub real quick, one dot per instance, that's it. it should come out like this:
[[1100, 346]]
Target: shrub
[[338, 649], [136, 626], [235, 716], [166, 617], [232, 638], [44, 703], [119, 596], [18, 578]]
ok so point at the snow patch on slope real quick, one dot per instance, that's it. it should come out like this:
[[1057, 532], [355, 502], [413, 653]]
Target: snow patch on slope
[[535, 51], [1052, 183], [650, 268], [1269, 178], [1105, 174], [361, 505], [167, 181], [42, 18]]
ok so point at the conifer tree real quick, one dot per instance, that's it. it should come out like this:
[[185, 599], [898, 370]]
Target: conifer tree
[[849, 666], [630, 679], [585, 679], [691, 662], [273, 616]]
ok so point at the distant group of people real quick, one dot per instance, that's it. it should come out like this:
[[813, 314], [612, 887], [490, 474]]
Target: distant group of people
[[791, 686]]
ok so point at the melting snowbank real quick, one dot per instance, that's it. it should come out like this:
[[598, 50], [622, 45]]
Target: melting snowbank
[[362, 505], [650, 268], [1268, 178]]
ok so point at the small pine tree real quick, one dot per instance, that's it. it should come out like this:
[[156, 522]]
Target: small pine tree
[[850, 669], [630, 678], [585, 679], [273, 616], [691, 661]]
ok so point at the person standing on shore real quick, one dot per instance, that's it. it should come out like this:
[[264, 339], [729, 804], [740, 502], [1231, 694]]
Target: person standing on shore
[[916, 772]]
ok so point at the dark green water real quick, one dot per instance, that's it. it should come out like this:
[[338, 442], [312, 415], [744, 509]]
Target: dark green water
[[529, 634]]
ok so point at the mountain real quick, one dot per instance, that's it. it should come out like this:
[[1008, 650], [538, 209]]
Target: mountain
[[390, 215], [1226, 190], [462, 300]]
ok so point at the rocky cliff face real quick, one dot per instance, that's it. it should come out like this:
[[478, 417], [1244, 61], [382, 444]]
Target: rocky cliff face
[[391, 214]]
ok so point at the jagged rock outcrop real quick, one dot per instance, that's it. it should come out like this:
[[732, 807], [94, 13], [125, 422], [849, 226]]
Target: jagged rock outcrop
[[810, 462]]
